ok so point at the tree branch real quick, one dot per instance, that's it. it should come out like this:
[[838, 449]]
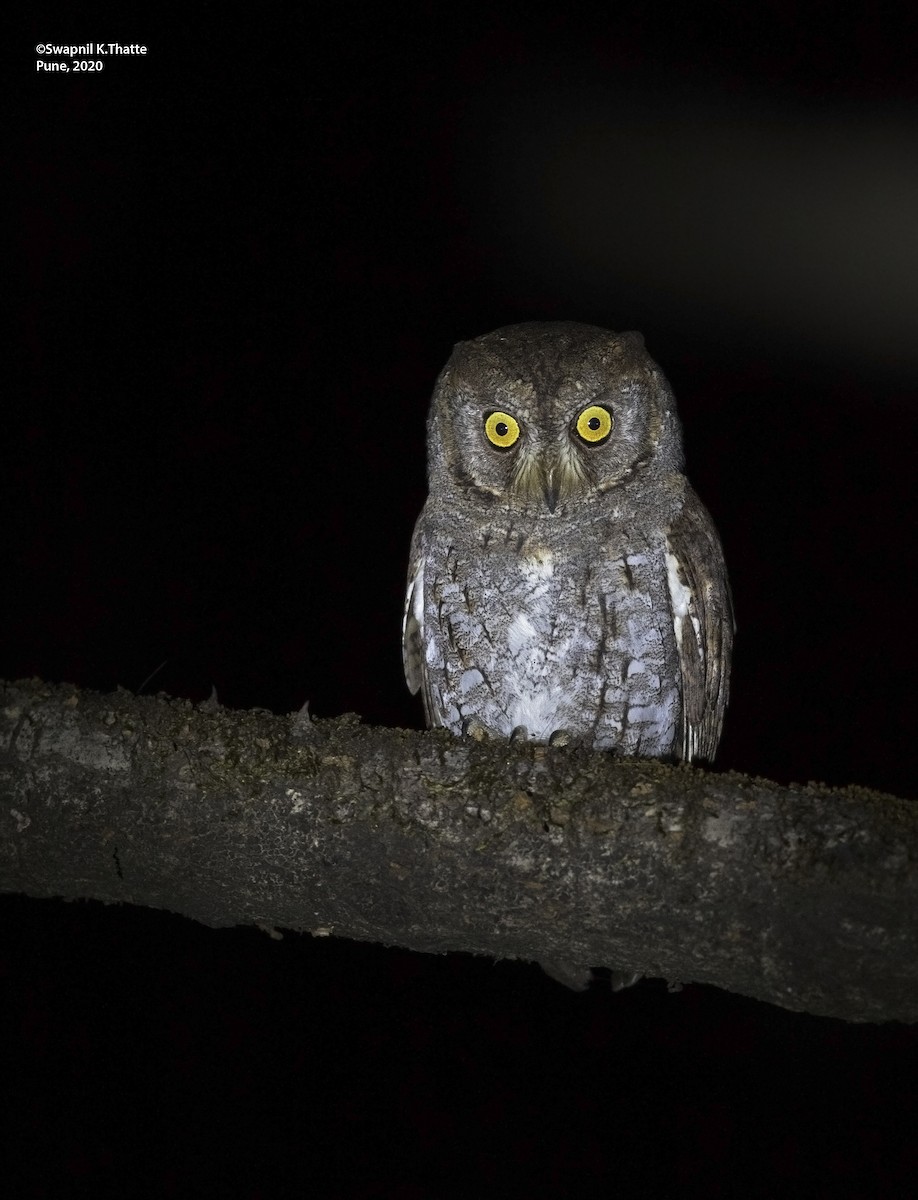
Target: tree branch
[[804, 897]]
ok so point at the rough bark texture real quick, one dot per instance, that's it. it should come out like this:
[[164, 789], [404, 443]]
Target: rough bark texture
[[804, 897]]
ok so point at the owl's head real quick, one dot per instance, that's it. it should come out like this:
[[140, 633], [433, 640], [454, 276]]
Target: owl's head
[[548, 412]]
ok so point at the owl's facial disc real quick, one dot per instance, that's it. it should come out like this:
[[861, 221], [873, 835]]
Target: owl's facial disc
[[560, 471], [547, 466]]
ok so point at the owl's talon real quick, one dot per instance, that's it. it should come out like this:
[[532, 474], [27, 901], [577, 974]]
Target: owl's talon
[[473, 728], [520, 734], [561, 737]]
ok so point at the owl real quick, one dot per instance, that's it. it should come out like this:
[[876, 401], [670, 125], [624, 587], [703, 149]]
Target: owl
[[566, 584]]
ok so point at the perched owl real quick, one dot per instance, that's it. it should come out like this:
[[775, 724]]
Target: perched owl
[[566, 584]]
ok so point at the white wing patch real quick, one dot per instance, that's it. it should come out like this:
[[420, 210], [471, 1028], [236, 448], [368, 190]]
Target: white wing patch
[[682, 601], [680, 596], [413, 647], [417, 599]]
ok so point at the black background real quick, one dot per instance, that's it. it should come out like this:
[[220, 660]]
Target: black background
[[240, 262]]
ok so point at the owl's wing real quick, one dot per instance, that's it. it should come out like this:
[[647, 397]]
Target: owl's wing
[[703, 617], [413, 653]]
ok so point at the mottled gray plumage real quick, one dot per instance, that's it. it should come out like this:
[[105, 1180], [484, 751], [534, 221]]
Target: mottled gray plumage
[[566, 584]]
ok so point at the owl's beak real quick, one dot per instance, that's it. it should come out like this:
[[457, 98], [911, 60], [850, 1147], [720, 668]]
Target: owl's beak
[[551, 488], [548, 477]]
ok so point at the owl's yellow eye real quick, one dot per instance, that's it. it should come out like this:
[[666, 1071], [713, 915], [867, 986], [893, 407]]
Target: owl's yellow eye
[[502, 430], [594, 424]]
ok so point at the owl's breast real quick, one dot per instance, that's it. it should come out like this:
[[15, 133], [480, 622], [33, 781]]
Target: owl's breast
[[576, 638]]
